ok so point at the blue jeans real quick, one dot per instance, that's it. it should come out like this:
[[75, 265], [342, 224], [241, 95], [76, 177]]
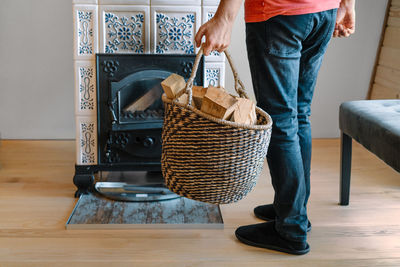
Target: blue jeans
[[285, 54]]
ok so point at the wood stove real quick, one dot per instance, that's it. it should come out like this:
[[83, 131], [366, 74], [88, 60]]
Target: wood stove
[[130, 111], [117, 128]]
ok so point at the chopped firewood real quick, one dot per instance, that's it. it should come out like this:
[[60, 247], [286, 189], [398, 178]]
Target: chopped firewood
[[218, 103], [253, 116], [173, 85], [198, 93], [183, 99], [245, 112], [145, 101]]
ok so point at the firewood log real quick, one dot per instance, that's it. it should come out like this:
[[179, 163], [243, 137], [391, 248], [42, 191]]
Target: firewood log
[[183, 99], [245, 112], [145, 101], [198, 93], [173, 85], [218, 103]]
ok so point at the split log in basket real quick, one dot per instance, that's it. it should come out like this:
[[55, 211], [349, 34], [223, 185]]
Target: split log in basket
[[184, 99], [173, 85], [218, 103], [214, 101], [198, 93], [245, 112]]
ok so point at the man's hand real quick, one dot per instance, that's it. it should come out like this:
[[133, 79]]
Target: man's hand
[[217, 31], [345, 19]]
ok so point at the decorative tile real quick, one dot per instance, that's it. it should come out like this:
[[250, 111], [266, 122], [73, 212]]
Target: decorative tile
[[177, 2], [214, 74], [211, 2], [173, 29], [86, 140], [125, 29], [124, 2], [208, 13], [85, 88], [85, 31], [84, 2]]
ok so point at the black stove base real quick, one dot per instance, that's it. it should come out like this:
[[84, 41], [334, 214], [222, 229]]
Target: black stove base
[[85, 175]]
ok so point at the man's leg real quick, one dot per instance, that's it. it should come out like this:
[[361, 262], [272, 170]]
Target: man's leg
[[274, 50], [290, 43], [314, 47]]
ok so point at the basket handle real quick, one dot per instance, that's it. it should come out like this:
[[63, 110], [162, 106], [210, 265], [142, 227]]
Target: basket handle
[[239, 87]]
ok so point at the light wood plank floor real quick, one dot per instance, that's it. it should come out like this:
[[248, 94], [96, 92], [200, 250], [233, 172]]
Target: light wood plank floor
[[36, 198]]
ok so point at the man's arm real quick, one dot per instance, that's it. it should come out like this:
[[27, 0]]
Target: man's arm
[[218, 29], [345, 19]]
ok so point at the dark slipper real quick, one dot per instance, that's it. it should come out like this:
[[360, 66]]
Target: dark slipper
[[264, 235], [267, 213]]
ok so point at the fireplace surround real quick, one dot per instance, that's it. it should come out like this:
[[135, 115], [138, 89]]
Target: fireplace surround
[[105, 30]]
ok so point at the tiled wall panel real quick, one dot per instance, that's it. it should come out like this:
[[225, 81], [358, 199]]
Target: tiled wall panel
[[174, 28], [125, 29], [210, 2], [177, 2], [94, 2], [85, 32], [85, 88], [124, 2], [214, 74], [86, 140]]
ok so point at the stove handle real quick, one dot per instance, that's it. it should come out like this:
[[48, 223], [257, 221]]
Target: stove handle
[[148, 142], [112, 113]]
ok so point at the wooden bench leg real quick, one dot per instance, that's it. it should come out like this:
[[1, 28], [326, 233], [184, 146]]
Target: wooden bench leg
[[345, 169]]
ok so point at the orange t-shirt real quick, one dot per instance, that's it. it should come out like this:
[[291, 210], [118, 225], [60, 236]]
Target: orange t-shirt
[[262, 10]]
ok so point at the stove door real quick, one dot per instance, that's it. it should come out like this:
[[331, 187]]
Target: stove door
[[137, 100]]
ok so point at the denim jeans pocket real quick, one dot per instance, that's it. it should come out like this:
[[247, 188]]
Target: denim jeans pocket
[[330, 19], [284, 35]]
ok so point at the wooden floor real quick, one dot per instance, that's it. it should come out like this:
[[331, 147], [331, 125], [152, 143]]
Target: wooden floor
[[36, 198]]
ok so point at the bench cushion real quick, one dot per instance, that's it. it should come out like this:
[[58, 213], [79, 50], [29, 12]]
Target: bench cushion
[[376, 125]]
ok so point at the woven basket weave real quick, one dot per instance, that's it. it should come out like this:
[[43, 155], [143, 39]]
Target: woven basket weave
[[208, 159]]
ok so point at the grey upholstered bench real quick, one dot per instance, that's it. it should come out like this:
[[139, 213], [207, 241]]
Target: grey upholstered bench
[[376, 125]]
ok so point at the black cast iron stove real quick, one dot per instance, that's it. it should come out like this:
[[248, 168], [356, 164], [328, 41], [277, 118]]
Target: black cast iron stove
[[130, 112]]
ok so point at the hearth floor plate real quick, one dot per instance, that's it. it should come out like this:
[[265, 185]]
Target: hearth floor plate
[[135, 193], [96, 212]]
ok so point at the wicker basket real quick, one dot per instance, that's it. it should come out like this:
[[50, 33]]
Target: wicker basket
[[208, 159]]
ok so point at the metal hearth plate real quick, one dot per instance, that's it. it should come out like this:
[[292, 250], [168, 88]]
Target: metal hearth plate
[[136, 193], [93, 211]]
